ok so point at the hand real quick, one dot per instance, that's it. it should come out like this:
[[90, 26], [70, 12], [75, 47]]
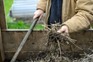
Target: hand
[[63, 29], [38, 13]]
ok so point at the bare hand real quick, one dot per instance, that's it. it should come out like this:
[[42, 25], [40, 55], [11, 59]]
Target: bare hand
[[63, 29], [38, 13]]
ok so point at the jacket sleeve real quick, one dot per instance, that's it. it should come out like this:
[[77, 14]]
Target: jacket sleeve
[[42, 5], [84, 16]]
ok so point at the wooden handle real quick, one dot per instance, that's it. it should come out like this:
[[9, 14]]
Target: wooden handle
[[24, 41]]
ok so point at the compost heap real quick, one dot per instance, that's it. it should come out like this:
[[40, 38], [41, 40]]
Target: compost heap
[[55, 49]]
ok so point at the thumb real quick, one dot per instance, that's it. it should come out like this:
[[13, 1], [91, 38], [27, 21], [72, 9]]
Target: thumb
[[63, 29], [35, 16]]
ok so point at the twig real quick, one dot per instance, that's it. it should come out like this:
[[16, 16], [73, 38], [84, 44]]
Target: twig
[[59, 47]]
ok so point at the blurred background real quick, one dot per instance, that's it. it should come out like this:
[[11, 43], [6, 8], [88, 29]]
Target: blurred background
[[19, 14]]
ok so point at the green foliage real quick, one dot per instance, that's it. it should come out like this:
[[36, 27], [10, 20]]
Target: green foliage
[[7, 5], [17, 25], [23, 25]]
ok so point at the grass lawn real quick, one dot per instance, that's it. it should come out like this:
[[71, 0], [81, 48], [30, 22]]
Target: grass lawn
[[19, 24], [22, 25], [7, 5]]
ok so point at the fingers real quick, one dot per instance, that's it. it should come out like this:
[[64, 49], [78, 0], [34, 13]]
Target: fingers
[[35, 16], [38, 14], [63, 29]]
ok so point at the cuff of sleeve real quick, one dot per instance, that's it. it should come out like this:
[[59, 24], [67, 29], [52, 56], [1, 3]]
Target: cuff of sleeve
[[41, 7]]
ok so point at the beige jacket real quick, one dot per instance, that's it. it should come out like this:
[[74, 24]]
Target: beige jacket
[[76, 14]]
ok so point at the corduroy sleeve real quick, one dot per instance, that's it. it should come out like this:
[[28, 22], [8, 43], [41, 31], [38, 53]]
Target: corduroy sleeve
[[42, 5], [83, 18]]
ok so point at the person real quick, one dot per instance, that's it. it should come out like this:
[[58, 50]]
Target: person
[[75, 15]]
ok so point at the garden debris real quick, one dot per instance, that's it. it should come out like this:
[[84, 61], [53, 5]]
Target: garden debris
[[55, 49]]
